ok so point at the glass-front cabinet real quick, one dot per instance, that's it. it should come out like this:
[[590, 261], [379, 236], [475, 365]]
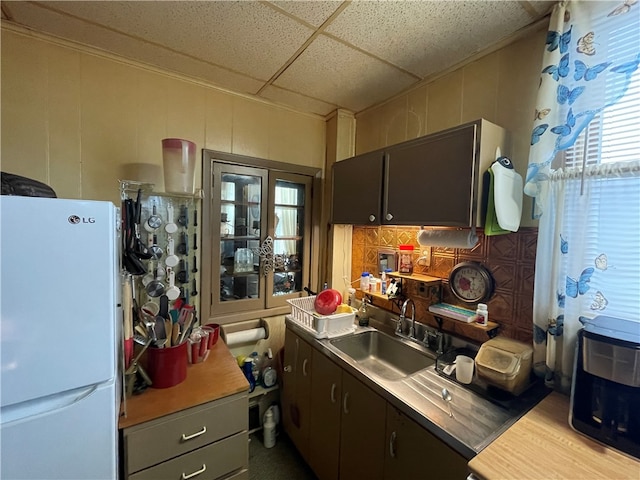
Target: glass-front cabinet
[[260, 224]]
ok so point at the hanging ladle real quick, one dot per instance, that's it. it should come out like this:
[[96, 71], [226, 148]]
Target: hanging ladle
[[170, 227]]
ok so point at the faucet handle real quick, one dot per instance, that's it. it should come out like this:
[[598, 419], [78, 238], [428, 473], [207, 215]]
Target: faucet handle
[[399, 325]]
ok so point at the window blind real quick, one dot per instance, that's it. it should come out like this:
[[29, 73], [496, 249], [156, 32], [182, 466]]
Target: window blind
[[612, 136]]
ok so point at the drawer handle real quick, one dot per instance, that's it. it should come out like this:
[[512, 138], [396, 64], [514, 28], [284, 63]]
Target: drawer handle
[[333, 393], [304, 367], [191, 475], [345, 402], [194, 435]]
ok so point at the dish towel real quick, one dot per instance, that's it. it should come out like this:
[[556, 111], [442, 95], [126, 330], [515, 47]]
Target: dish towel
[[491, 225]]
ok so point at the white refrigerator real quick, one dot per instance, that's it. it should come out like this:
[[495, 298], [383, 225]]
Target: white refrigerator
[[59, 339]]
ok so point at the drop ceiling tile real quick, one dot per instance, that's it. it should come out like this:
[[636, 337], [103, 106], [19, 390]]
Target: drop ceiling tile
[[313, 12], [297, 100], [205, 30], [542, 6], [332, 72], [426, 37], [103, 38]]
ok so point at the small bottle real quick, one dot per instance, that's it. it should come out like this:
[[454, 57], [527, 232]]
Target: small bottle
[[482, 314], [372, 283], [269, 430], [351, 296], [383, 284], [247, 369], [363, 314], [364, 282], [326, 285], [255, 369]]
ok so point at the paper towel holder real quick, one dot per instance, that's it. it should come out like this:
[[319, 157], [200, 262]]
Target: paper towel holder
[[245, 325]]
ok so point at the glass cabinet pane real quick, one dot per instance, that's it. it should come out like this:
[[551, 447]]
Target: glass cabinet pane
[[240, 222], [289, 214]]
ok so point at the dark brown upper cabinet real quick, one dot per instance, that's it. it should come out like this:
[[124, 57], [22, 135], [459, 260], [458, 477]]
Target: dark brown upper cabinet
[[435, 180]]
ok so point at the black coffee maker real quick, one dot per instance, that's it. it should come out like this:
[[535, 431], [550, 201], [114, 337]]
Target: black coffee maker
[[605, 391]]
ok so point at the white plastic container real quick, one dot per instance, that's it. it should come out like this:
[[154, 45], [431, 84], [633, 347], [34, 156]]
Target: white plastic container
[[269, 430], [505, 363], [482, 314], [364, 282], [179, 162]]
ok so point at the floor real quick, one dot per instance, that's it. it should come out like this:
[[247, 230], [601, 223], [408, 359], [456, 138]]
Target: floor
[[282, 462]]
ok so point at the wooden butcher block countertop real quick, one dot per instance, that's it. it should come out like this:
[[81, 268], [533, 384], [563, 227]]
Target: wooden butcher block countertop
[[217, 377], [542, 445]]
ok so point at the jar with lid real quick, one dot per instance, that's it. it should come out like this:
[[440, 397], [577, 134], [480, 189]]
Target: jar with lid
[[364, 282], [405, 260], [482, 314]]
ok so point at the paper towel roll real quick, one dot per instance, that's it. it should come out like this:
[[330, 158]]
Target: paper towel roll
[[245, 336], [448, 238]]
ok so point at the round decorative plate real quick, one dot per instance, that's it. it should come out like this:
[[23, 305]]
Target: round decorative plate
[[471, 282]]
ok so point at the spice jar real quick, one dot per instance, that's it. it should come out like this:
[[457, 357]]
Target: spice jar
[[406, 259]]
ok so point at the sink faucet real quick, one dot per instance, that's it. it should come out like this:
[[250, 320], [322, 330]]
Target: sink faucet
[[412, 332], [438, 337]]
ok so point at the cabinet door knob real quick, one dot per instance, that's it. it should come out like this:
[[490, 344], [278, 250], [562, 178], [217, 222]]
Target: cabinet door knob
[[288, 369], [388, 216], [372, 218], [304, 367], [345, 401], [333, 393]]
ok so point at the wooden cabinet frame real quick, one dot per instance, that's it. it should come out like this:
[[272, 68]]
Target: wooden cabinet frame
[[213, 165]]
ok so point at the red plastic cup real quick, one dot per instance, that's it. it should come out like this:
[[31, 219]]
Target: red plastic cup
[[214, 333]]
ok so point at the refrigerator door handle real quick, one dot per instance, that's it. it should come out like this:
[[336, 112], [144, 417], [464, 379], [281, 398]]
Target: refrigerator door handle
[[45, 405]]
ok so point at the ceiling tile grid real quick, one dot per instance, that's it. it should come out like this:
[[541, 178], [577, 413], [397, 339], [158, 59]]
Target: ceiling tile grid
[[329, 70], [314, 56]]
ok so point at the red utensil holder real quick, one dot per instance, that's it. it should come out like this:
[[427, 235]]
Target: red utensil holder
[[168, 366]]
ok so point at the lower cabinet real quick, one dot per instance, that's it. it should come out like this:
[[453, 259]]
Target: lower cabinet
[[362, 432], [326, 408], [346, 431], [413, 452], [207, 442], [347, 424], [296, 391]]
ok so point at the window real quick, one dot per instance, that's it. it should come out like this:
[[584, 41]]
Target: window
[[613, 135]]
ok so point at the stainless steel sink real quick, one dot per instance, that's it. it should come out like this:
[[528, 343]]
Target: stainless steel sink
[[385, 356]]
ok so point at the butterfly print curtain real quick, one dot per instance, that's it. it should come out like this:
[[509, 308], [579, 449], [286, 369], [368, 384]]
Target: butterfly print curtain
[[588, 253]]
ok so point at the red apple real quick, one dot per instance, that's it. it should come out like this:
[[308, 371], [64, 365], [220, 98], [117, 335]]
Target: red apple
[[327, 301]]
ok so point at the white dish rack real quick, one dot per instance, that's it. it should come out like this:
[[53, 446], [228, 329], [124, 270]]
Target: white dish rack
[[320, 326]]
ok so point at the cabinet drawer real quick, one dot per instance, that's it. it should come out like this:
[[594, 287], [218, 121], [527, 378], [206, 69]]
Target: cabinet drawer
[[213, 461], [171, 436], [243, 475]]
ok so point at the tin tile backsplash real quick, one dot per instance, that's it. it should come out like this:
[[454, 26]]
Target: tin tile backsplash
[[510, 258]]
